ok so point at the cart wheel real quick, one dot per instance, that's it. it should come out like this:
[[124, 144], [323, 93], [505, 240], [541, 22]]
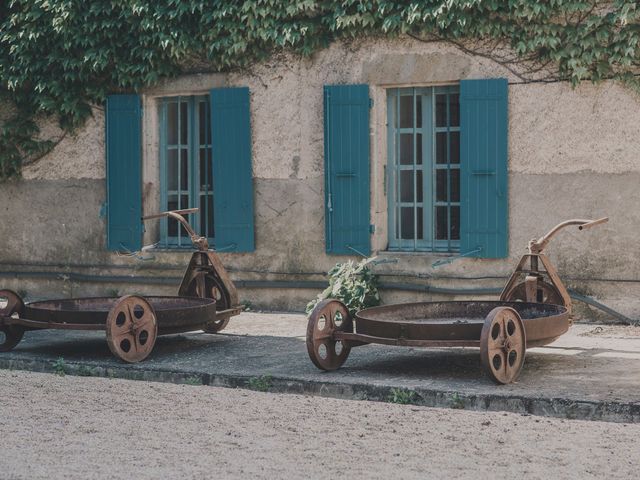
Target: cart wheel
[[208, 286], [325, 352], [10, 305], [217, 325], [132, 329], [547, 293], [502, 344]]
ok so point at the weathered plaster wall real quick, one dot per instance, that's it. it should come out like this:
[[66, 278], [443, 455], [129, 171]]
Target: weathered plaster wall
[[573, 153]]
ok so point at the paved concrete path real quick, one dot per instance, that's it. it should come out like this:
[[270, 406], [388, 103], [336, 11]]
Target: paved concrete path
[[591, 372]]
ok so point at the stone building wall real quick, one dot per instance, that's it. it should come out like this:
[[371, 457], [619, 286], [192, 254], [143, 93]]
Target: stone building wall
[[572, 153]]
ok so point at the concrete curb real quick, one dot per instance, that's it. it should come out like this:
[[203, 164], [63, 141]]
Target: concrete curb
[[621, 412]]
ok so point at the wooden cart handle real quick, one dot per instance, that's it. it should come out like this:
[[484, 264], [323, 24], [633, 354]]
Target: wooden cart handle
[[594, 223]]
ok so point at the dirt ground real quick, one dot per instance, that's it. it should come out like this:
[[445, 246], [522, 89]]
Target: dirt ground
[[80, 427]]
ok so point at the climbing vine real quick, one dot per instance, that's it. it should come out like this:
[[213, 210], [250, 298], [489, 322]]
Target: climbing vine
[[58, 58]]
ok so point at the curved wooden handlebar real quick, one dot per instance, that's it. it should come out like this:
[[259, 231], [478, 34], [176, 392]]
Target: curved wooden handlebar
[[198, 241], [594, 223], [536, 246], [184, 211]]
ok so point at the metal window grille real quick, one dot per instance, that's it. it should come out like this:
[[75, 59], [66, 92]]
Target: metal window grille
[[424, 169], [186, 166]]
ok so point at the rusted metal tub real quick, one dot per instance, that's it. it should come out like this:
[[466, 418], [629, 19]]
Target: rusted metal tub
[[502, 330], [131, 323]]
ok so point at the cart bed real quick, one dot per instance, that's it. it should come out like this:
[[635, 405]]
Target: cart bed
[[458, 321]]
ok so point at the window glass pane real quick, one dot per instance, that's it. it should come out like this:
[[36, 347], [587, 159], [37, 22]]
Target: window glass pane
[[172, 169], [441, 110], [184, 170], [418, 149], [454, 178], [441, 147], [441, 223], [406, 111], [454, 110], [454, 145], [406, 149], [206, 174], [419, 186], [406, 186], [419, 111], [172, 123], [455, 223], [441, 185], [420, 232], [406, 216], [184, 201], [172, 204], [184, 123]]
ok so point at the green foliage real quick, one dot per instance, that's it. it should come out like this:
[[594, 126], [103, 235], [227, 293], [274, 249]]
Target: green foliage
[[457, 402], [261, 383], [85, 371], [403, 396], [60, 57], [113, 292], [195, 380], [60, 367], [247, 305], [354, 284]]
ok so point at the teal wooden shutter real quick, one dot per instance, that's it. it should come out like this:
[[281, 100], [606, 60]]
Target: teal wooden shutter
[[483, 168], [232, 171], [346, 169], [124, 173]]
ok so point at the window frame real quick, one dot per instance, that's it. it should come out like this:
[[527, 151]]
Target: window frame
[[193, 147], [428, 168]]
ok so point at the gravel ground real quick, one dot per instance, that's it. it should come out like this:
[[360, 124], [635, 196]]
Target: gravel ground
[[79, 427]]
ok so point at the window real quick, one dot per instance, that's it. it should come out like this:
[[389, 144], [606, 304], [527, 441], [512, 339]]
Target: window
[[424, 169], [193, 130], [186, 169]]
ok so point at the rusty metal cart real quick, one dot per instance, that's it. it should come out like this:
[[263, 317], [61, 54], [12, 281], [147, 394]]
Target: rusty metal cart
[[531, 312], [207, 300]]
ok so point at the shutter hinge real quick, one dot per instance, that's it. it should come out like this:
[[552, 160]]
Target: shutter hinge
[[329, 204], [372, 228], [370, 102]]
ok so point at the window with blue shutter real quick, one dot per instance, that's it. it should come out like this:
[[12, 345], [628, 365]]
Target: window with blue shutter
[[124, 173], [346, 164], [483, 168], [232, 169]]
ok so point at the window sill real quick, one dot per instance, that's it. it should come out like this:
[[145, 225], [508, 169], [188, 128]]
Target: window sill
[[415, 253], [170, 249]]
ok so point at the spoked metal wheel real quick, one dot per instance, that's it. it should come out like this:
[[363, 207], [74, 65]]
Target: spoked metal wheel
[[328, 317], [503, 343], [546, 293], [10, 305], [209, 286], [132, 329]]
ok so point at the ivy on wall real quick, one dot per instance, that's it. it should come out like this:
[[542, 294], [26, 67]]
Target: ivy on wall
[[60, 57]]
